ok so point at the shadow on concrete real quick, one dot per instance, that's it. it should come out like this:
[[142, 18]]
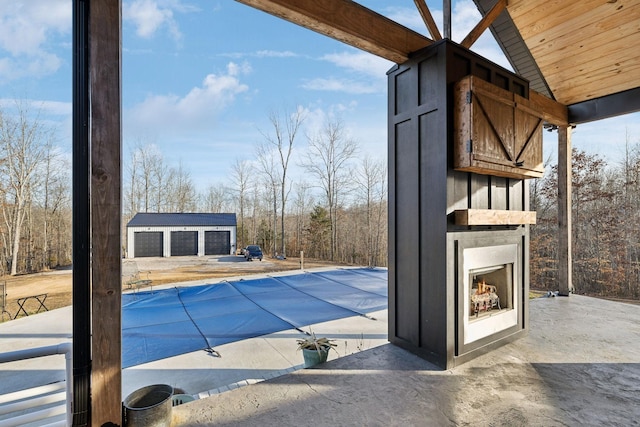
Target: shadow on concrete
[[231, 258], [389, 386], [34, 335], [194, 381]]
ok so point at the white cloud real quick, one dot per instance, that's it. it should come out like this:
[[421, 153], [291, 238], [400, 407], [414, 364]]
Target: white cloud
[[275, 54], [340, 85], [195, 110], [410, 18], [368, 73], [464, 18], [25, 25], [54, 108], [26, 30], [261, 54], [150, 16], [361, 62]]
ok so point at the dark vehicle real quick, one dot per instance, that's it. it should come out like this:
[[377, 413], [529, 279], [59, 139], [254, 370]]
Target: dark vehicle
[[253, 252]]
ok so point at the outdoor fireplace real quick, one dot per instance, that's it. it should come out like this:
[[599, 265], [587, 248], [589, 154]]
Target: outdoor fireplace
[[464, 138], [488, 275], [490, 297]]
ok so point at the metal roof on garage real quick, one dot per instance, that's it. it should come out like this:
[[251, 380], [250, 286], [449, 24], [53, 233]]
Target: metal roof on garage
[[182, 219]]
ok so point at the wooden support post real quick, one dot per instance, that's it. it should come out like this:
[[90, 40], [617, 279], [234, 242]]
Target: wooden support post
[[565, 262], [428, 19], [105, 42], [484, 23]]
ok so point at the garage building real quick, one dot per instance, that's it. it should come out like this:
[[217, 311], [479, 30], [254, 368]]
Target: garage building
[[181, 234]]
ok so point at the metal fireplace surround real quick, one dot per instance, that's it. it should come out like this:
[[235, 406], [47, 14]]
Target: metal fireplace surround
[[432, 259]]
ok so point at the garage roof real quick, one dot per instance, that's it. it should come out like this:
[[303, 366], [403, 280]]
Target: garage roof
[[182, 219]]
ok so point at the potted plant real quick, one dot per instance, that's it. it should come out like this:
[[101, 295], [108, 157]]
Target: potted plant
[[315, 350]]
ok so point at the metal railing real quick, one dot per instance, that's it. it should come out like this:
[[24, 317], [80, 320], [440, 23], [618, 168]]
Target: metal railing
[[26, 402], [3, 301]]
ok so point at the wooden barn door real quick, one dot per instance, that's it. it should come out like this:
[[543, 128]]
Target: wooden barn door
[[497, 132]]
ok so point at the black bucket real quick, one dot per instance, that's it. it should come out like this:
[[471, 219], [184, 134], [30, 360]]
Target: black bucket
[[149, 406]]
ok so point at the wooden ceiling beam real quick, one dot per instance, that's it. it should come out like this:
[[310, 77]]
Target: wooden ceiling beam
[[348, 22], [552, 111], [484, 23], [428, 19]]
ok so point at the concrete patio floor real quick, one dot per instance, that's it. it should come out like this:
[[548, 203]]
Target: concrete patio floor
[[579, 365]]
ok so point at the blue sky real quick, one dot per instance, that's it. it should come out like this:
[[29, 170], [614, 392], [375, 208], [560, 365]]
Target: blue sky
[[201, 77]]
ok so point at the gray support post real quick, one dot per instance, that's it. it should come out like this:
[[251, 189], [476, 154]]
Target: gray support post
[[446, 18], [81, 225], [565, 262]]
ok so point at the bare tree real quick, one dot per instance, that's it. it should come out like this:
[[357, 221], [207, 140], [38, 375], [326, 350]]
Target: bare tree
[[181, 191], [132, 191], [268, 168], [22, 150], [160, 173], [285, 128], [241, 174], [327, 159], [54, 196], [215, 198], [143, 169], [302, 203], [371, 178]]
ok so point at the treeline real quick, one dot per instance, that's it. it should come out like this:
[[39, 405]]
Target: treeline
[[35, 230], [606, 226], [338, 214]]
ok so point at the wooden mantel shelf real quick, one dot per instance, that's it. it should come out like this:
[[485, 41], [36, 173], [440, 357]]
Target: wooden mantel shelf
[[493, 217]]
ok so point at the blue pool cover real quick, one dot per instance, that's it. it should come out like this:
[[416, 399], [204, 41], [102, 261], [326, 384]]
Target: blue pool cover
[[164, 323]]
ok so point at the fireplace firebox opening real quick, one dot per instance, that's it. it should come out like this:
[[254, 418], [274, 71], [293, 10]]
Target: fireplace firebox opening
[[490, 290]]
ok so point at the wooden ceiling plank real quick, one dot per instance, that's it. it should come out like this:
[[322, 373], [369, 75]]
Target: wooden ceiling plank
[[576, 66], [576, 93], [590, 90], [592, 23], [596, 29], [596, 45], [428, 19], [608, 67], [523, 7], [603, 78], [348, 22], [550, 14], [584, 49], [484, 23]]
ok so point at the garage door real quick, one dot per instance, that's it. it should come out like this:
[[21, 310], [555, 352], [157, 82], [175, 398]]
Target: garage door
[[217, 243], [184, 243], [147, 243]]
